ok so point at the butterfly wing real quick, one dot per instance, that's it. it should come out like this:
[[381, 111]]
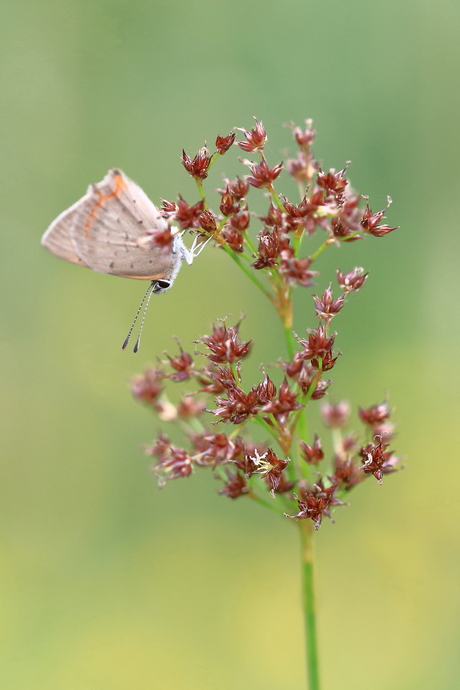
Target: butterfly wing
[[58, 238], [109, 226]]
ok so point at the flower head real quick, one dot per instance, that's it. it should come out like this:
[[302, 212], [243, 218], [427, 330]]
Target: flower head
[[255, 139], [224, 344], [316, 501], [224, 143], [198, 166], [377, 460]]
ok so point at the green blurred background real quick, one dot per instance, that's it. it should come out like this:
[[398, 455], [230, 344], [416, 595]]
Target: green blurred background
[[106, 582]]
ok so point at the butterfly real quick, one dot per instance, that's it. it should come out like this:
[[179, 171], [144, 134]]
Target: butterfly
[[109, 230]]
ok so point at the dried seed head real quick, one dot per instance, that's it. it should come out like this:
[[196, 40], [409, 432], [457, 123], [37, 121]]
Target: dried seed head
[[335, 415], [353, 280], [208, 222], [375, 414], [198, 166], [233, 237], [147, 387], [377, 460], [224, 344], [224, 143], [326, 306], [255, 139], [312, 454], [316, 501], [235, 486], [261, 174], [370, 221], [187, 216]]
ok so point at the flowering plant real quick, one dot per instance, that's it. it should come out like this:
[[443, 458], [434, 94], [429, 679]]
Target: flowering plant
[[289, 472]]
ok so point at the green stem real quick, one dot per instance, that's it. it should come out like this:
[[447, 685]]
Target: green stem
[[297, 243], [261, 422], [308, 596], [276, 198], [214, 157], [275, 507], [290, 342], [199, 184], [246, 270], [320, 249], [250, 243]]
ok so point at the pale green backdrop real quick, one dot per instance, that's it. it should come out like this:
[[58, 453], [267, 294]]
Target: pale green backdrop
[[107, 583]]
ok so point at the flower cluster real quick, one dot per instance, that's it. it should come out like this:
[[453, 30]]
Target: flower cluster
[[297, 474], [235, 458]]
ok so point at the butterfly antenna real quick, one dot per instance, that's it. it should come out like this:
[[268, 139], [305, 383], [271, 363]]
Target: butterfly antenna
[[149, 289], [138, 341]]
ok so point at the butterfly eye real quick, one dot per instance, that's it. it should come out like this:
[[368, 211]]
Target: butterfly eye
[[161, 286]]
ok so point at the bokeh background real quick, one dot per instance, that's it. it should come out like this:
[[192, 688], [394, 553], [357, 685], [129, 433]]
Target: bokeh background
[[106, 582]]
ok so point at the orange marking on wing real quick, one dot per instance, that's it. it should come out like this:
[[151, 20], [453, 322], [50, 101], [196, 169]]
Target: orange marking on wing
[[102, 198], [155, 276]]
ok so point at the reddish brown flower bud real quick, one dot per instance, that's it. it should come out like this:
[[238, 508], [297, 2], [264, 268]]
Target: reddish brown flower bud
[[239, 188], [370, 221], [266, 390], [256, 138], [375, 414], [315, 502], [326, 306], [284, 485], [187, 216], [342, 232], [346, 473], [285, 402], [377, 460], [205, 377], [294, 367], [224, 344], [304, 138], [270, 246], [384, 431], [349, 442], [262, 175], [301, 168], [198, 167], [235, 486], [233, 238], [228, 204], [270, 467], [208, 222], [160, 447], [188, 407], [224, 376], [335, 416], [240, 220], [306, 376], [168, 209], [332, 182], [239, 406], [275, 218], [216, 449], [162, 239], [353, 280], [312, 454], [183, 364], [147, 387], [318, 347], [296, 271], [247, 462], [224, 143], [173, 462]]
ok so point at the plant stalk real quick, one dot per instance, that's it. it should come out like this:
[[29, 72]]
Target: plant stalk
[[308, 596]]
